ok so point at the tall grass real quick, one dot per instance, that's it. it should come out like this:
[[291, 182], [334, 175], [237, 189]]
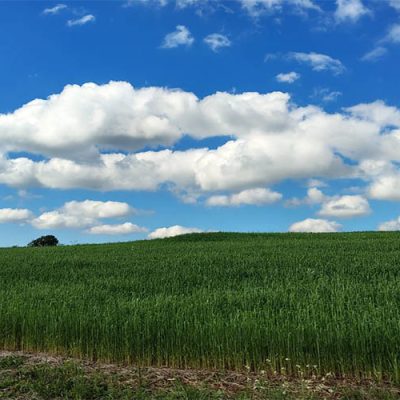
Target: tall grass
[[290, 303]]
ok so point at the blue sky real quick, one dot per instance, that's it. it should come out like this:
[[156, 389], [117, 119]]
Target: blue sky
[[122, 120]]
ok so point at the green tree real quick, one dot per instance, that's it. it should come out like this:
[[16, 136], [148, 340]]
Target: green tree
[[44, 241]]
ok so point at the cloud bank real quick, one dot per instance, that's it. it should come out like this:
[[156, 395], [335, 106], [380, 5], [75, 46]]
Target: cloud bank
[[93, 137]]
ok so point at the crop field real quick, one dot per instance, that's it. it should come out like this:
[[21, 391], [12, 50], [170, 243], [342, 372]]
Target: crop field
[[291, 304]]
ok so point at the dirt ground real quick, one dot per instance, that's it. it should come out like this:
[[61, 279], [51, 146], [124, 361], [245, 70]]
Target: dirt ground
[[227, 384]]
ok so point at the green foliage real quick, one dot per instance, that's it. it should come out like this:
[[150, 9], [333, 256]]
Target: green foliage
[[294, 304], [11, 362], [44, 241], [39, 380], [70, 382]]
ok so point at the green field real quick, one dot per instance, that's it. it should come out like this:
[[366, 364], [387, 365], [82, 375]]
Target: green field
[[292, 304]]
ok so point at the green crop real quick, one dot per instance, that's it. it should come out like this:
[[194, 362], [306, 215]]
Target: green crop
[[296, 304]]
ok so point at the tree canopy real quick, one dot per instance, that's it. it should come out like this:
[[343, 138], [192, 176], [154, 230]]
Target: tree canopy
[[44, 241]]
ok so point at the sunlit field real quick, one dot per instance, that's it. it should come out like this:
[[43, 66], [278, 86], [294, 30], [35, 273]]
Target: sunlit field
[[292, 304]]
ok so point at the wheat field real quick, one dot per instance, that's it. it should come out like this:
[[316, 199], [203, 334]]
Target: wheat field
[[282, 303]]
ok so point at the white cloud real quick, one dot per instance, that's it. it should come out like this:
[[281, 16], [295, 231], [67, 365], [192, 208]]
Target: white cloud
[[395, 4], [318, 62], [158, 3], [216, 41], [385, 187], [58, 219], [314, 196], [393, 34], [111, 116], [377, 112], [256, 8], [12, 215], [118, 229], [315, 225], [180, 37], [188, 3], [383, 177], [345, 207], [289, 77], [257, 196], [375, 54], [316, 183], [77, 215], [24, 194], [54, 10], [331, 96], [97, 209], [81, 214], [199, 6], [393, 225], [326, 95], [171, 231], [350, 10], [103, 127], [81, 21]]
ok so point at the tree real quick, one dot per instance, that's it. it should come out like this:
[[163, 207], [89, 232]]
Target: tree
[[44, 241]]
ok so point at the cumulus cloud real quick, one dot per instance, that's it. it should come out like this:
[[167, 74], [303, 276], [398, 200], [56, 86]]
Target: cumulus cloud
[[58, 219], [81, 21], [318, 62], [81, 214], [377, 112], [216, 41], [111, 116], [393, 225], [86, 214], [289, 77], [91, 137], [350, 10], [117, 229], [171, 231], [257, 196], [97, 209], [315, 226], [385, 187], [345, 207], [180, 37], [12, 215], [55, 10], [384, 177], [314, 196]]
